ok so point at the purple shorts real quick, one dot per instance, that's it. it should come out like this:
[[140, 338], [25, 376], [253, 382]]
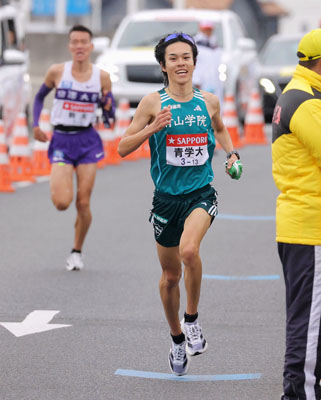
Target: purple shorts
[[83, 147]]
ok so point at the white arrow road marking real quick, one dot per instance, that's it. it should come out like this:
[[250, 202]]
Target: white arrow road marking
[[35, 322]]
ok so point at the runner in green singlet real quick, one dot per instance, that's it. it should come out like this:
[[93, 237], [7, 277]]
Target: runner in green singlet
[[180, 122]]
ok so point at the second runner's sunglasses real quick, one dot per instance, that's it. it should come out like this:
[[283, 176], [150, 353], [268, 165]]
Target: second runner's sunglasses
[[176, 35]]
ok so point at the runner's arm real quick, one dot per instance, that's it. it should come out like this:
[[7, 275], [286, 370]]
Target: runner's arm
[[148, 119], [107, 101], [221, 132], [45, 88]]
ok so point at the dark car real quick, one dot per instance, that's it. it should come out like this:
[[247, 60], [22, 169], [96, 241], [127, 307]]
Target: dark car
[[277, 62]]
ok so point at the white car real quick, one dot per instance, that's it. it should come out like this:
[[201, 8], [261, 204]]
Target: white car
[[134, 71], [15, 86]]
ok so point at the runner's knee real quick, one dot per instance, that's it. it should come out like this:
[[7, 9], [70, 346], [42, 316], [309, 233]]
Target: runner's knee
[[61, 205], [171, 279], [61, 198], [189, 253], [82, 205]]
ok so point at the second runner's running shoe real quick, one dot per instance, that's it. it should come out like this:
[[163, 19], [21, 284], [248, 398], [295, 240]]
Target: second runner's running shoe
[[178, 359], [195, 341], [74, 262]]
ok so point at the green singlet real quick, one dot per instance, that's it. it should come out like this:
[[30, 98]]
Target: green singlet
[[182, 152]]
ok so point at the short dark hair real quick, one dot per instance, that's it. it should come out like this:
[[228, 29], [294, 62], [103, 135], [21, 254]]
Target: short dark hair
[[81, 28], [163, 43]]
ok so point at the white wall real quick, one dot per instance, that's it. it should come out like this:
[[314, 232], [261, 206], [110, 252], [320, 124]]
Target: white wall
[[304, 15]]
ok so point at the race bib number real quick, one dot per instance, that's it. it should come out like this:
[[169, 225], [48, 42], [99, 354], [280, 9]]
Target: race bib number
[[79, 114], [186, 150]]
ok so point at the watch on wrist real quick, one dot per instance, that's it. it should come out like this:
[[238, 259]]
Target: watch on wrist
[[228, 155]]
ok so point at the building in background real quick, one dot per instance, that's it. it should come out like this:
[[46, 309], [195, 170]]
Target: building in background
[[58, 15], [303, 16], [113, 11], [261, 18]]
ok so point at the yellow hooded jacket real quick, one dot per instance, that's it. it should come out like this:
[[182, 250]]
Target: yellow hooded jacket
[[296, 155]]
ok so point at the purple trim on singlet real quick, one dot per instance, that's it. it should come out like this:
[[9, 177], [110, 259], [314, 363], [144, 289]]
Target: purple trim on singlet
[[76, 95]]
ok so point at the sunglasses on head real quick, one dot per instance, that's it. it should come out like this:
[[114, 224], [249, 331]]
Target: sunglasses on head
[[176, 35]]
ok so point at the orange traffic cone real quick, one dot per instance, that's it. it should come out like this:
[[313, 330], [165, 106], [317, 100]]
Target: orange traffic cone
[[5, 182], [230, 119], [20, 153], [100, 128], [40, 160], [254, 120], [123, 119], [145, 150]]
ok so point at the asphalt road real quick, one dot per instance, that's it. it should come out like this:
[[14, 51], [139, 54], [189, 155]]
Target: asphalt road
[[117, 341]]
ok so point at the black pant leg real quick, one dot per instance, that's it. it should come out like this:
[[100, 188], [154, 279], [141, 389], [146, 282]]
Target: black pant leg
[[302, 275]]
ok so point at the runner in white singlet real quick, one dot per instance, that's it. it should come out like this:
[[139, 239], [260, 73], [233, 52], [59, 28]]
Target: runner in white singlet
[[75, 146]]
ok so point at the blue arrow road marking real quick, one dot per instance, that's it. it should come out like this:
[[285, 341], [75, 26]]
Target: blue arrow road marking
[[186, 378], [242, 278], [247, 217]]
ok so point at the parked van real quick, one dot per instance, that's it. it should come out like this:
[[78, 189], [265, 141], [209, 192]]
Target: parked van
[[15, 86]]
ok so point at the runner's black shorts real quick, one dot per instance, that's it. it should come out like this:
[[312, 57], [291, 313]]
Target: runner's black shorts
[[169, 212]]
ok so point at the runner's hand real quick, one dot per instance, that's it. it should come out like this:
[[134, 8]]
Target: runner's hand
[[162, 119], [235, 170], [108, 104], [39, 134]]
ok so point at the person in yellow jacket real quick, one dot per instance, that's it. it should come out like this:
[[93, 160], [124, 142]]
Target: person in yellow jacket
[[296, 156]]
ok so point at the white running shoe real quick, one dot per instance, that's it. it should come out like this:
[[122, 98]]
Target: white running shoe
[[178, 359], [195, 341], [74, 262]]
